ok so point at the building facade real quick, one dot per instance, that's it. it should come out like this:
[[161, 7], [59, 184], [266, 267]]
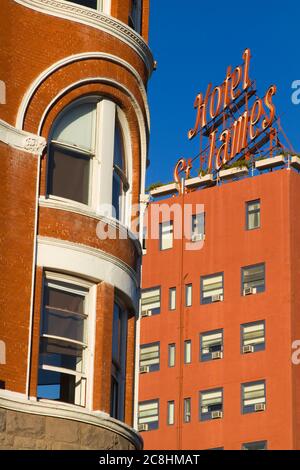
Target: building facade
[[218, 359], [74, 130]]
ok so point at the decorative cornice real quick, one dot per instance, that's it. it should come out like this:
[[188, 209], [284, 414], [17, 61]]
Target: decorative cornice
[[17, 402], [94, 19], [21, 140], [95, 252]]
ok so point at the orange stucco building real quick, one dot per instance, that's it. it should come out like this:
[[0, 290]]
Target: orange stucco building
[[218, 323]]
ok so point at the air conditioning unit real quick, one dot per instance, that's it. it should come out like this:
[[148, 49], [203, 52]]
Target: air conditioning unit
[[250, 290], [217, 355], [216, 414], [143, 427], [144, 369], [217, 298], [197, 237], [259, 407], [146, 313], [248, 349]]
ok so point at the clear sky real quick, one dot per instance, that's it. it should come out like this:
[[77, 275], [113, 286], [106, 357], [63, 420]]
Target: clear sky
[[193, 42]]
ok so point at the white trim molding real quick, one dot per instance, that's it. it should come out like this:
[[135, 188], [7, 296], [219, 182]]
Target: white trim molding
[[90, 263], [21, 140], [18, 402], [70, 60], [94, 19]]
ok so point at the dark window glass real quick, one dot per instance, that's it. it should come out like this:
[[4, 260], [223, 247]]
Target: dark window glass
[[258, 445], [69, 174], [86, 3]]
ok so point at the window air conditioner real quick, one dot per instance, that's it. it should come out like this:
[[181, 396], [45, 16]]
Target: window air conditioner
[[146, 313], [143, 427], [217, 355], [250, 290], [216, 414], [259, 407], [144, 369], [196, 237], [217, 298], [248, 349]]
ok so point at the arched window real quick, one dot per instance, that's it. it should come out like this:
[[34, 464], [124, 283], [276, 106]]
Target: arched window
[[87, 162]]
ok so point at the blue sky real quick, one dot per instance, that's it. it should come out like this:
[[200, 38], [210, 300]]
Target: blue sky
[[194, 42]]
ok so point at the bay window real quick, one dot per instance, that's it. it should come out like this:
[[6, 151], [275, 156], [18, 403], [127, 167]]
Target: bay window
[[119, 345], [64, 341], [87, 157]]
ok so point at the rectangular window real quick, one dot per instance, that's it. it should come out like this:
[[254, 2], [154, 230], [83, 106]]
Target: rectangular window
[[63, 358], [258, 445], [188, 295], [172, 298], [95, 4], [187, 410], [254, 396], [69, 173], [253, 214], [211, 404], [149, 357], [148, 415], [211, 345], [212, 288], [144, 242], [150, 302], [198, 227], [171, 355], [171, 413], [253, 337], [253, 279], [166, 235], [188, 351], [119, 344]]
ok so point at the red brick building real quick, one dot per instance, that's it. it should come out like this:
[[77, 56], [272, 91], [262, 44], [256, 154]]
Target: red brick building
[[219, 322], [74, 131]]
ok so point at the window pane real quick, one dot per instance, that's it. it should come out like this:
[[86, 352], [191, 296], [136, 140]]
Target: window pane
[[166, 235], [148, 414], [188, 295], [151, 301], [211, 342], [61, 354], [259, 445], [149, 356], [210, 401], [253, 394], [171, 412], [198, 225], [70, 301], [76, 126], [253, 334], [171, 355], [172, 298], [116, 340], [187, 352], [254, 276], [57, 386], [253, 215], [211, 286], [187, 410], [69, 174]]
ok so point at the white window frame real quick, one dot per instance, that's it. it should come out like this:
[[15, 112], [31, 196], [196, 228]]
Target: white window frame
[[171, 413], [188, 295], [188, 351], [172, 298], [171, 347], [104, 6], [88, 359], [166, 237], [102, 161]]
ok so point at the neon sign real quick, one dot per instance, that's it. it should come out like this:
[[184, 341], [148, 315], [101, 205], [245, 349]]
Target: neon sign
[[230, 136]]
